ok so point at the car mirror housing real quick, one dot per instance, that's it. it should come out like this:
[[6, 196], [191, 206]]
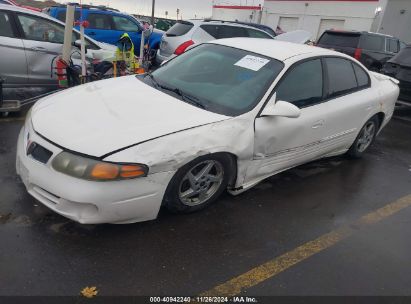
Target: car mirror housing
[[280, 108], [77, 44]]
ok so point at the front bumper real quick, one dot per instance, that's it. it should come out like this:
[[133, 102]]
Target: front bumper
[[89, 202]]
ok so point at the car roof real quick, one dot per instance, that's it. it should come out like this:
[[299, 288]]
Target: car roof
[[197, 22], [357, 32], [279, 50]]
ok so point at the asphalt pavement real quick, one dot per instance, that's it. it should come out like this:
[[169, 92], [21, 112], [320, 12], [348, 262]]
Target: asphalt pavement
[[42, 253]]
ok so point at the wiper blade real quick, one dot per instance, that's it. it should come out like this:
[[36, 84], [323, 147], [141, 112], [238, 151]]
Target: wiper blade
[[188, 98], [185, 97], [153, 79]]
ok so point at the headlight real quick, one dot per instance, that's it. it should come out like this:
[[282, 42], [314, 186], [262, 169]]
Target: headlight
[[95, 170]]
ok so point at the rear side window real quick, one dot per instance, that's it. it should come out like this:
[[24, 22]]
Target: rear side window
[[303, 85], [231, 32], [340, 39], [257, 34], [100, 21], [61, 15], [210, 29], [362, 77], [179, 29], [403, 57], [373, 42], [6, 29], [341, 76]]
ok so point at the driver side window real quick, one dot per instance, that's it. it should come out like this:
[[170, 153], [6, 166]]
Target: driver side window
[[303, 84]]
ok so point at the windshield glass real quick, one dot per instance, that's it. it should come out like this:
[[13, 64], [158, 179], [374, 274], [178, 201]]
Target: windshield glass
[[218, 78], [403, 57]]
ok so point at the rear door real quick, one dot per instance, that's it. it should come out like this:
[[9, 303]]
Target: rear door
[[13, 62], [350, 99]]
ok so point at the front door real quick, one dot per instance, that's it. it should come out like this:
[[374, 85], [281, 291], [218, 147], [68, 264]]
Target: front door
[[13, 64], [43, 41], [282, 142]]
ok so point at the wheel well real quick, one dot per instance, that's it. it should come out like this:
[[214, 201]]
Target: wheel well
[[380, 117], [233, 164]]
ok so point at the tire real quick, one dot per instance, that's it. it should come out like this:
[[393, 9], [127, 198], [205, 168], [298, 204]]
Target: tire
[[199, 183], [365, 138]]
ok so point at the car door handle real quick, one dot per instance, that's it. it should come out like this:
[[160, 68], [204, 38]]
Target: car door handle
[[39, 49], [92, 33], [318, 124]]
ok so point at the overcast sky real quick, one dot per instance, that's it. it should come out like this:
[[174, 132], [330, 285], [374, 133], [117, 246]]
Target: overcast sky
[[189, 8]]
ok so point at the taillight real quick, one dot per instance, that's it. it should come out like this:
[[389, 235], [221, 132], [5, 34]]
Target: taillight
[[182, 47], [357, 54]]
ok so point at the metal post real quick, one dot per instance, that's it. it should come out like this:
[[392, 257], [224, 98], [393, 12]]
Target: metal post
[[152, 12]]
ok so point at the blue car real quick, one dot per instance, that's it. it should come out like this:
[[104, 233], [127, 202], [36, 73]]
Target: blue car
[[107, 25]]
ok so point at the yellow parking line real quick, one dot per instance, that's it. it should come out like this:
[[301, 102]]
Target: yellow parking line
[[303, 252]]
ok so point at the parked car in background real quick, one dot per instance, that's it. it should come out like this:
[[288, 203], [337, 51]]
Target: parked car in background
[[108, 25], [399, 67], [262, 27], [224, 115], [29, 42], [371, 49], [12, 2], [185, 34]]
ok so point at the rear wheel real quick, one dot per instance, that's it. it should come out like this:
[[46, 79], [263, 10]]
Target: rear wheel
[[364, 138], [198, 184]]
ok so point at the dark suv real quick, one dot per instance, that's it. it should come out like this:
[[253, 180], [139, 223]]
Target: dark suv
[[371, 49]]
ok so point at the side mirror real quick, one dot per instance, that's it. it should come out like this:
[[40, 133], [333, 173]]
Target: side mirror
[[77, 44], [280, 108]]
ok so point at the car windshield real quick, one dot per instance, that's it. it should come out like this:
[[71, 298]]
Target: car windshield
[[403, 57], [218, 78]]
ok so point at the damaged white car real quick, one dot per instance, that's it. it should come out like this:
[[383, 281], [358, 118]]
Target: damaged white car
[[223, 115]]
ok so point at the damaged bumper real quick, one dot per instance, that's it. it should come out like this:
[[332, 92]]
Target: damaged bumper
[[84, 201]]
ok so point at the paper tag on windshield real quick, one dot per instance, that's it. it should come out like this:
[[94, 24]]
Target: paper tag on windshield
[[252, 62]]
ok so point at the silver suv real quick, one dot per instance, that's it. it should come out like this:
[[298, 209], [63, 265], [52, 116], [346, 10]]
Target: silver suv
[[184, 34]]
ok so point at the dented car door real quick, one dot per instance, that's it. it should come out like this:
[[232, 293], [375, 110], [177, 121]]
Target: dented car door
[[43, 41], [282, 142]]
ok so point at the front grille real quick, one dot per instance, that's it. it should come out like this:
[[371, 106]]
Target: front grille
[[39, 153]]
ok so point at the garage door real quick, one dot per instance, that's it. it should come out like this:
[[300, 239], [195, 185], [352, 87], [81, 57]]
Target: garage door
[[288, 24], [328, 24]]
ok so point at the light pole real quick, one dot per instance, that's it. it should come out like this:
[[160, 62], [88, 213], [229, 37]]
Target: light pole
[[152, 12]]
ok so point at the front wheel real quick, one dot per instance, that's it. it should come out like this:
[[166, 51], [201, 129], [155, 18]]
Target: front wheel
[[198, 184], [364, 138]]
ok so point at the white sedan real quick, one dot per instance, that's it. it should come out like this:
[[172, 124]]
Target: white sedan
[[224, 115]]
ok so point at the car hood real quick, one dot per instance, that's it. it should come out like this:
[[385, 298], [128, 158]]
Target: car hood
[[297, 36], [104, 116]]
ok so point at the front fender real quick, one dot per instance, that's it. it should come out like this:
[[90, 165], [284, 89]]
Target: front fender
[[171, 152]]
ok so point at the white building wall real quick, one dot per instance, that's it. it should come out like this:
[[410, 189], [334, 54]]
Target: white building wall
[[395, 19], [244, 15], [356, 15]]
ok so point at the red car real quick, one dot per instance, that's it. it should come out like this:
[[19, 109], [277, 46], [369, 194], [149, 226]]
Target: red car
[[12, 2]]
